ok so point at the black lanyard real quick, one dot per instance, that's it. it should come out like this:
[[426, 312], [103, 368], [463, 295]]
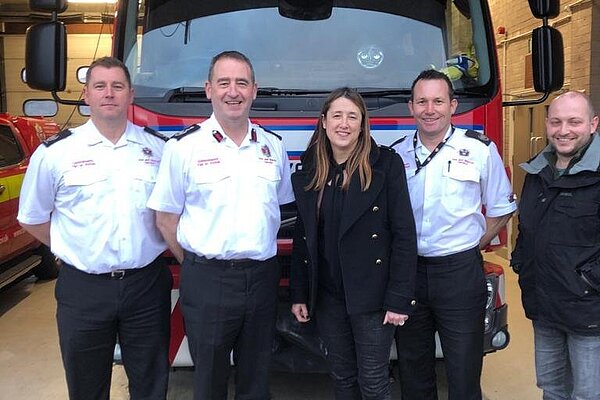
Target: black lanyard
[[432, 154]]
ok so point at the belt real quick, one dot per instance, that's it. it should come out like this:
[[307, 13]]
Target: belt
[[116, 274], [450, 257], [238, 262]]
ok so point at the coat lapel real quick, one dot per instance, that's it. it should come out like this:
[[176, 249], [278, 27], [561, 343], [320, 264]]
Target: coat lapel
[[357, 202], [306, 201]]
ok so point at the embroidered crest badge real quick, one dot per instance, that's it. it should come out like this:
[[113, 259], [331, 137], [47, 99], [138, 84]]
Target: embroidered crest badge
[[463, 152], [266, 151], [147, 151]]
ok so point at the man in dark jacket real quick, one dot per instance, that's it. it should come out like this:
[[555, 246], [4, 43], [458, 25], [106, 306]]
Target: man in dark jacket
[[557, 255]]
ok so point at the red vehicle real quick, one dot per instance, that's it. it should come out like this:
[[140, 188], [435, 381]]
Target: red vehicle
[[301, 50], [20, 253]]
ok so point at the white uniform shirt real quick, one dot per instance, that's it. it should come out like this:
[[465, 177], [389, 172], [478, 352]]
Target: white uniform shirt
[[228, 196], [448, 193], [94, 194]]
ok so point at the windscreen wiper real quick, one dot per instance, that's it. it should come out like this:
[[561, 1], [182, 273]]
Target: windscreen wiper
[[185, 94], [378, 92], [274, 91]]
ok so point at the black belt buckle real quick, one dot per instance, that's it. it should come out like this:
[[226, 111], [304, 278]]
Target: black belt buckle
[[117, 274]]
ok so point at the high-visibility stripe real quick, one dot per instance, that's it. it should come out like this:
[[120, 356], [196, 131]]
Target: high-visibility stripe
[[12, 186]]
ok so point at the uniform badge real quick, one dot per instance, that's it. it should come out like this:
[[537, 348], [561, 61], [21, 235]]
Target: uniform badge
[[463, 152], [147, 151], [266, 151], [217, 135]]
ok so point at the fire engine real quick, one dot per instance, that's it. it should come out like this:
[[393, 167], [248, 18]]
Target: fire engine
[[301, 50], [20, 253]]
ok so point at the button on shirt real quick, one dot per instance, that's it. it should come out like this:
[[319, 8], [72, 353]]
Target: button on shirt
[[447, 195], [228, 196], [94, 194]]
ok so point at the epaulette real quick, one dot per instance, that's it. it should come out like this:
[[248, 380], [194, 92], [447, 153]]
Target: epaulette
[[479, 136], [156, 134], [55, 138], [270, 131], [398, 141], [186, 131], [388, 148]]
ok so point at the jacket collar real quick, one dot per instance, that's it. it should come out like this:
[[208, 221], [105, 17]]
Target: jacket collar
[[589, 161]]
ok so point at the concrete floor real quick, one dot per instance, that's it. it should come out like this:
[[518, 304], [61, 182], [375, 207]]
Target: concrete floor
[[30, 365]]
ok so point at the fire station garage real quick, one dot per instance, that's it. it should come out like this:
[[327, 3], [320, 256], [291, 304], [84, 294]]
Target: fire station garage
[[30, 361]]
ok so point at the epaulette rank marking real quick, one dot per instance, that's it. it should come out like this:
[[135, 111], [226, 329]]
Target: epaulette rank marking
[[156, 133], [479, 136], [58, 137], [186, 131], [270, 131]]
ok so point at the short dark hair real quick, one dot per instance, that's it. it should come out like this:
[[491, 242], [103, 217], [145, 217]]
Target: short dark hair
[[233, 54], [108, 62], [431, 75]]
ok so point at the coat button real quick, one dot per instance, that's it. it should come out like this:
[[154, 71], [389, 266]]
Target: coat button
[[374, 236], [378, 261], [305, 261], [304, 238], [413, 303], [375, 208]]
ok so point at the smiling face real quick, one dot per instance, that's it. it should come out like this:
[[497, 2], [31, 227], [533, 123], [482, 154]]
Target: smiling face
[[108, 94], [342, 124], [569, 125], [432, 108], [231, 90]]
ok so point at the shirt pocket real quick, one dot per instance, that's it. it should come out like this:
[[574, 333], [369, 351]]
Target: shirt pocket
[[84, 188], [269, 172], [144, 180], [214, 185], [581, 216], [461, 180]]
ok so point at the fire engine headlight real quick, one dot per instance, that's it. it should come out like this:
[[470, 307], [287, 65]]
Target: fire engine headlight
[[489, 285], [499, 340]]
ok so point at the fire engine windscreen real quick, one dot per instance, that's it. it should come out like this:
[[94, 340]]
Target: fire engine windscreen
[[363, 44]]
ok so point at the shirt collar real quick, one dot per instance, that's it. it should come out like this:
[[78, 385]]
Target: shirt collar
[[213, 125], [94, 136], [423, 150]]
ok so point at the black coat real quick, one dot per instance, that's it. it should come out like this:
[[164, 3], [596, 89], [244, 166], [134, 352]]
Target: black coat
[[559, 231], [377, 239]]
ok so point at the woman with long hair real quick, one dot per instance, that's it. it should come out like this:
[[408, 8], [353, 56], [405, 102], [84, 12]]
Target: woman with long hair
[[355, 253]]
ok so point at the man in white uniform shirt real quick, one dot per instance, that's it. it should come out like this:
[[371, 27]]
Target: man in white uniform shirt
[[84, 195], [217, 199], [451, 174]]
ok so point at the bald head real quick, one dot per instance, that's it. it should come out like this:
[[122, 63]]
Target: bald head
[[573, 96]]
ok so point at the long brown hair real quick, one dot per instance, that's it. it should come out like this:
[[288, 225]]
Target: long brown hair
[[323, 154]]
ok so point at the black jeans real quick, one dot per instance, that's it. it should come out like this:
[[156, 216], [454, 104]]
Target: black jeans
[[92, 310], [358, 350], [451, 292], [229, 306]]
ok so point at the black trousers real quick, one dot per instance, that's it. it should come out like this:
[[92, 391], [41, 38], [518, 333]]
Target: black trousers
[[92, 310], [229, 306], [451, 292], [358, 350]]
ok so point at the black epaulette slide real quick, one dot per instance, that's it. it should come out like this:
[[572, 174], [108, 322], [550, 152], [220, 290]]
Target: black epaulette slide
[[58, 137], [402, 139], [479, 136], [186, 131], [156, 134], [270, 131]]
